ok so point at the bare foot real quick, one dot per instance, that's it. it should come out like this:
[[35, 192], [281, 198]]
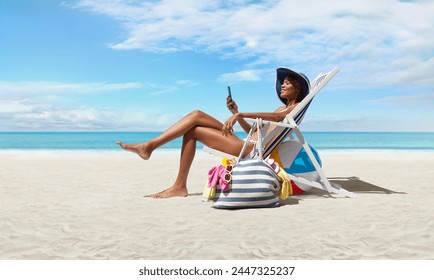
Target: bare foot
[[142, 150], [171, 192]]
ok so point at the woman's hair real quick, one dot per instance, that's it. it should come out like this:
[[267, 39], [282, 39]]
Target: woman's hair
[[296, 84]]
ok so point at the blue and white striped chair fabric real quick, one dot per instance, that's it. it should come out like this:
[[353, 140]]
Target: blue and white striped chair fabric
[[276, 140]]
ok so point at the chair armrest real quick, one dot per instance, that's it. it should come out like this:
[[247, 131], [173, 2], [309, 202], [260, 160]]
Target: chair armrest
[[281, 124]]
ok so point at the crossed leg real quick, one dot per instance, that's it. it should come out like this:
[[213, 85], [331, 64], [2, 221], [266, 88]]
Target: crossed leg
[[196, 126]]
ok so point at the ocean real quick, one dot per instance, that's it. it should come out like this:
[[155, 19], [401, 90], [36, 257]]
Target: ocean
[[106, 140]]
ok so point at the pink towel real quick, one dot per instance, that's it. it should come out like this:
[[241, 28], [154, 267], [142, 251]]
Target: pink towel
[[216, 176]]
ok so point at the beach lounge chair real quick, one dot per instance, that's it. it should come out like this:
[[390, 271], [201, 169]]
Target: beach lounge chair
[[289, 127]]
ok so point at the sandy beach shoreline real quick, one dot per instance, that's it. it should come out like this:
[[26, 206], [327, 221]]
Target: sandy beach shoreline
[[93, 205]]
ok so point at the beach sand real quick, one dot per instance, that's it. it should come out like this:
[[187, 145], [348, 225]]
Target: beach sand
[[92, 205]]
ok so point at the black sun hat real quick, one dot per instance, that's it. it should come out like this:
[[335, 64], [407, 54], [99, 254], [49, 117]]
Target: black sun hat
[[282, 73]]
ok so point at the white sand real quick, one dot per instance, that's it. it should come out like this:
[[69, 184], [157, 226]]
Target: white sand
[[75, 205]]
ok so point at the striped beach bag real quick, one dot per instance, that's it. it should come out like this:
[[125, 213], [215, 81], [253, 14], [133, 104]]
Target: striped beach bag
[[252, 183]]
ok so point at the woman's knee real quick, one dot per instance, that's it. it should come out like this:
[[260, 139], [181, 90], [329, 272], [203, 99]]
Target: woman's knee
[[199, 118], [191, 133], [196, 114]]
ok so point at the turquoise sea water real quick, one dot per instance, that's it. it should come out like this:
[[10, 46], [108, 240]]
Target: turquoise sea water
[[106, 140]]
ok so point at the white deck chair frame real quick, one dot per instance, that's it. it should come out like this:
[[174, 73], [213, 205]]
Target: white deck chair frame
[[289, 127]]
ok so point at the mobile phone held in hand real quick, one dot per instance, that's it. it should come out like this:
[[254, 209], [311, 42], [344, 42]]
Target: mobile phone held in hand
[[230, 97]]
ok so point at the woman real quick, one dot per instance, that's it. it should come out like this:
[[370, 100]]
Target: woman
[[291, 88]]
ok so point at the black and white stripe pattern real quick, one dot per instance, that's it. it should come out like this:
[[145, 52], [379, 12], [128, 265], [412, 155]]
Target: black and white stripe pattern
[[315, 85], [254, 184]]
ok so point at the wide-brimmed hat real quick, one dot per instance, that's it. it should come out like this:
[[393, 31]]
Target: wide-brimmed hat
[[282, 73]]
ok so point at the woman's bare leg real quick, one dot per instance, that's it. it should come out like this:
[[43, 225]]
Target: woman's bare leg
[[212, 138], [195, 118], [179, 188]]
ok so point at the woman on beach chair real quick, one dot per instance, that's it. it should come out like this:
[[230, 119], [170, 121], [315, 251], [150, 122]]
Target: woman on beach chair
[[199, 126]]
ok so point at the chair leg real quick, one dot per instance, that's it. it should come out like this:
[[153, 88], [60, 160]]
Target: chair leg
[[325, 184]]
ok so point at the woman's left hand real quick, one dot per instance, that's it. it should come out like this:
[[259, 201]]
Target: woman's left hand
[[228, 126]]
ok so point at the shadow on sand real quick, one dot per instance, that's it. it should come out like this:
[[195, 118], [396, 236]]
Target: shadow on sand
[[352, 184]]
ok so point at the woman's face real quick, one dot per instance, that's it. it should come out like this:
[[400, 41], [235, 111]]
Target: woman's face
[[288, 91]]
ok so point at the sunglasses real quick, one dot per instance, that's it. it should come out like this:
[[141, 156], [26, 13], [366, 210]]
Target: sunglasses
[[228, 175]]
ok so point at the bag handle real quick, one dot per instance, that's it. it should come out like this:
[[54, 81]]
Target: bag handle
[[259, 147]]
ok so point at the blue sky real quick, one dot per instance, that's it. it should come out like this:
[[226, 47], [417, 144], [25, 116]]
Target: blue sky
[[126, 65]]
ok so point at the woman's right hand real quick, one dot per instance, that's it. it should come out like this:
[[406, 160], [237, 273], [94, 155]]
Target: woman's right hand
[[232, 106], [228, 126]]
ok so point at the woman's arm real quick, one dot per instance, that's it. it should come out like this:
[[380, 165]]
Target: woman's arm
[[278, 115], [233, 107]]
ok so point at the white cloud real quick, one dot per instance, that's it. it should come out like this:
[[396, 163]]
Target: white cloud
[[335, 123], [23, 115], [419, 101], [157, 89], [55, 90], [49, 87], [245, 75], [368, 38], [395, 123], [13, 106], [186, 83], [40, 106]]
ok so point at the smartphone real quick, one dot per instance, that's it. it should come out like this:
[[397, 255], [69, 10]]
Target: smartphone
[[230, 96]]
